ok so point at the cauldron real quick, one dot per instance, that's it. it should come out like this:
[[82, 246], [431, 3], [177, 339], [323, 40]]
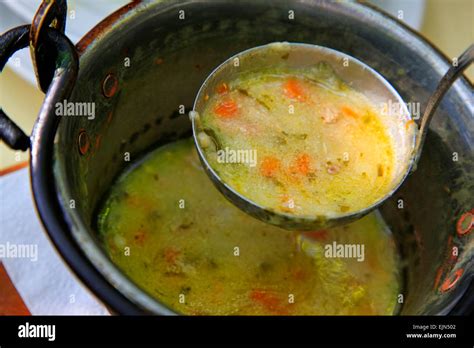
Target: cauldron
[[142, 67]]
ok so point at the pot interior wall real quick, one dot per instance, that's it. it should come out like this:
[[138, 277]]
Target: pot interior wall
[[170, 58]]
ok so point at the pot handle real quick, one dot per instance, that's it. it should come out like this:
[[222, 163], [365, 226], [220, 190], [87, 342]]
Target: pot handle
[[10, 42], [65, 73], [12, 135]]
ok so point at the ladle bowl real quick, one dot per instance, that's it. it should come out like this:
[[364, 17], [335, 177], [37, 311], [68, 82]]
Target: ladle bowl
[[392, 109]]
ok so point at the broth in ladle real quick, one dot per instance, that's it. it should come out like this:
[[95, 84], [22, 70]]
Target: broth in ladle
[[298, 141]]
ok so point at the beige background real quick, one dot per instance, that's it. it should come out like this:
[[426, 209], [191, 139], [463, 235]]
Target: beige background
[[447, 23]]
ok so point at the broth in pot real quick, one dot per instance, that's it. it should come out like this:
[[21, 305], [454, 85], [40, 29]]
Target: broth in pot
[[169, 229]]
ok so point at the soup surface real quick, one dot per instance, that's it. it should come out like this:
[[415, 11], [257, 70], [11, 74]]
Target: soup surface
[[298, 141], [169, 229]]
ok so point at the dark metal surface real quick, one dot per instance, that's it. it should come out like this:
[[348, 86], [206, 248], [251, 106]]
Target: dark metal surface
[[50, 14], [62, 61], [48, 204], [12, 135], [10, 42], [45, 48]]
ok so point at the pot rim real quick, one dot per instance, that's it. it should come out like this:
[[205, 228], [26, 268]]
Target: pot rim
[[47, 200]]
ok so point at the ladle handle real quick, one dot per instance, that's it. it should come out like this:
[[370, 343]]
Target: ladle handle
[[448, 79]]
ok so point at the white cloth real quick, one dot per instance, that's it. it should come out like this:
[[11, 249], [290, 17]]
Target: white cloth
[[47, 285]]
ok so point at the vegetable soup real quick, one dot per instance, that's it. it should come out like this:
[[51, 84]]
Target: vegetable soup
[[169, 229], [298, 141]]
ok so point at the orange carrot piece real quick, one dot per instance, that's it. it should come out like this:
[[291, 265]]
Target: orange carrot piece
[[293, 90], [226, 108], [268, 300], [136, 201], [302, 164], [171, 255], [299, 273], [222, 88], [349, 112], [140, 237], [270, 165], [317, 235], [408, 124]]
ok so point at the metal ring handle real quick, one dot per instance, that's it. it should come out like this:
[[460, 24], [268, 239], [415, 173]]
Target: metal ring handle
[[50, 14], [10, 42], [448, 79], [66, 65]]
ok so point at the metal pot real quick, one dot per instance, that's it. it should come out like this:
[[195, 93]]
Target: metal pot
[[171, 47]]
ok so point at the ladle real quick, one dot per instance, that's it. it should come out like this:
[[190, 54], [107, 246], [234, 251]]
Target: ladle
[[393, 110]]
